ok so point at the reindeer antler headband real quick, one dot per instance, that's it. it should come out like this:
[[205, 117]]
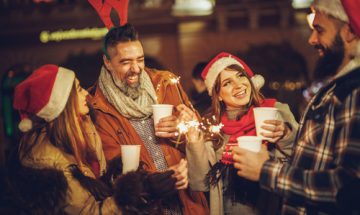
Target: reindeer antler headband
[[103, 8]]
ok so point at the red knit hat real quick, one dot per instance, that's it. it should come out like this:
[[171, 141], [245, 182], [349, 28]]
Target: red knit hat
[[222, 61], [44, 94]]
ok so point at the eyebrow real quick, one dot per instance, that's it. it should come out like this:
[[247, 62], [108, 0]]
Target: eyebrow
[[130, 59], [237, 73]]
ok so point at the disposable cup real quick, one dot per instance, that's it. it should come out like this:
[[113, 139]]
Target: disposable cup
[[130, 156], [161, 111], [251, 143], [265, 113]]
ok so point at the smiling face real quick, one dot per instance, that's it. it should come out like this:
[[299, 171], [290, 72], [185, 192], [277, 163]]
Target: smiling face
[[235, 89], [81, 99], [126, 62], [327, 40]]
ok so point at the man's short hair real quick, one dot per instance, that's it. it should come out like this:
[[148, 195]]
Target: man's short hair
[[198, 68], [125, 33]]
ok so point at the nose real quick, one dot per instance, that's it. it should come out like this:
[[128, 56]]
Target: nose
[[238, 82], [85, 92], [313, 39], [135, 67]]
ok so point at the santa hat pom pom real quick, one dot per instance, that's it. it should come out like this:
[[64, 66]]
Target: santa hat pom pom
[[25, 125], [258, 81]]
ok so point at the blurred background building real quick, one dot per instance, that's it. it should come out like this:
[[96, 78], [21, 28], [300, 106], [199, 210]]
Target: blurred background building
[[271, 35]]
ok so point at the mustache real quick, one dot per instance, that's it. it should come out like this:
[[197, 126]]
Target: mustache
[[319, 46]]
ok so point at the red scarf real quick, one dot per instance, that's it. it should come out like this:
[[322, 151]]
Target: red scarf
[[246, 125]]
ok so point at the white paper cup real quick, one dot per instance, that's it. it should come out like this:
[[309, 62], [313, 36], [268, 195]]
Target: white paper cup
[[251, 143], [130, 157], [161, 111], [265, 113]]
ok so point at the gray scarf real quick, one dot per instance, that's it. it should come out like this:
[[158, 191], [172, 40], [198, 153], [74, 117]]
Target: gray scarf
[[138, 108]]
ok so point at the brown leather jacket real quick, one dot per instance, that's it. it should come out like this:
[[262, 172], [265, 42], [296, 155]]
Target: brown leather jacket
[[116, 130]]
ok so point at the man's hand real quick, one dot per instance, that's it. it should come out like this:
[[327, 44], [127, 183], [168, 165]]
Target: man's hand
[[181, 174], [249, 163], [167, 127]]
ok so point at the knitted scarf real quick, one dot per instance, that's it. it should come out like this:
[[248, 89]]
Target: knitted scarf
[[139, 108], [244, 126]]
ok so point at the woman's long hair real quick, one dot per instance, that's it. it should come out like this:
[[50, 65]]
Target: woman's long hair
[[218, 107], [66, 132]]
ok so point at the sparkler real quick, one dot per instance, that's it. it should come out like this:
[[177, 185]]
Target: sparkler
[[208, 127]]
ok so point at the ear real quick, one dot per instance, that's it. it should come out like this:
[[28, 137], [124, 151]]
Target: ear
[[220, 99], [349, 35], [107, 63]]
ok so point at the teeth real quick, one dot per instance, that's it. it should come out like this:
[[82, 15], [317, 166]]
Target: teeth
[[240, 93]]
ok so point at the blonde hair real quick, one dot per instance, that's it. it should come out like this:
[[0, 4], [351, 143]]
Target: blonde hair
[[65, 132]]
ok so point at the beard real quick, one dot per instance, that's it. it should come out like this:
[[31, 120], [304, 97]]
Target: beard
[[133, 90], [328, 65]]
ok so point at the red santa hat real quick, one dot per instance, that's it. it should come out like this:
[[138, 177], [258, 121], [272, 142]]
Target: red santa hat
[[344, 10], [352, 8], [44, 94], [222, 61], [331, 7]]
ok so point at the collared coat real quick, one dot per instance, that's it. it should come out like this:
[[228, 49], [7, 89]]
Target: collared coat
[[201, 156], [116, 130], [78, 199]]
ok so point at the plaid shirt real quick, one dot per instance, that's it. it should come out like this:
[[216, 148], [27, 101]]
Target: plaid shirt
[[326, 155]]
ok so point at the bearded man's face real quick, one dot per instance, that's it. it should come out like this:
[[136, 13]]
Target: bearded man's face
[[327, 40]]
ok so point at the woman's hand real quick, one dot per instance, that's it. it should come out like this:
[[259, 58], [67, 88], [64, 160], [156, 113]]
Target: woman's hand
[[187, 115], [181, 174], [276, 130]]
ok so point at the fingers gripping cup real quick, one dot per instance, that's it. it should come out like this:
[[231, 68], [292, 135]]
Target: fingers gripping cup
[[251, 143], [130, 157], [161, 111], [265, 113]]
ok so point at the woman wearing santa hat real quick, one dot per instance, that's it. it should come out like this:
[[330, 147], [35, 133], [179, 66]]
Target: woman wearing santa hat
[[60, 140], [234, 90]]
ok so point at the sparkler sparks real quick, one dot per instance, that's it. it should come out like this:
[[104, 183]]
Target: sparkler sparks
[[216, 128], [207, 127]]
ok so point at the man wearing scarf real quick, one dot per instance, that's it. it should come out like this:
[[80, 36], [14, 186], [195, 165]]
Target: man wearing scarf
[[122, 100]]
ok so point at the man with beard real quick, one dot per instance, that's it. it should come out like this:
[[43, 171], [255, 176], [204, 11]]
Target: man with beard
[[323, 175], [122, 101]]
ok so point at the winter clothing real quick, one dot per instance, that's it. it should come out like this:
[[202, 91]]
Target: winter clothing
[[44, 94], [78, 200], [115, 130], [220, 62], [326, 158], [202, 156]]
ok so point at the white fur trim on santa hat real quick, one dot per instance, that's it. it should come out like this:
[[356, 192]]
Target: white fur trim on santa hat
[[59, 95], [258, 81], [215, 70], [25, 125], [331, 7]]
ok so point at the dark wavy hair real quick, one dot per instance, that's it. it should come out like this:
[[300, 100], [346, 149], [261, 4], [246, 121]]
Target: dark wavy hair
[[125, 33]]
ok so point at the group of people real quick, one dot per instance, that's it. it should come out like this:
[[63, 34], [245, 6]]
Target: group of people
[[72, 136]]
